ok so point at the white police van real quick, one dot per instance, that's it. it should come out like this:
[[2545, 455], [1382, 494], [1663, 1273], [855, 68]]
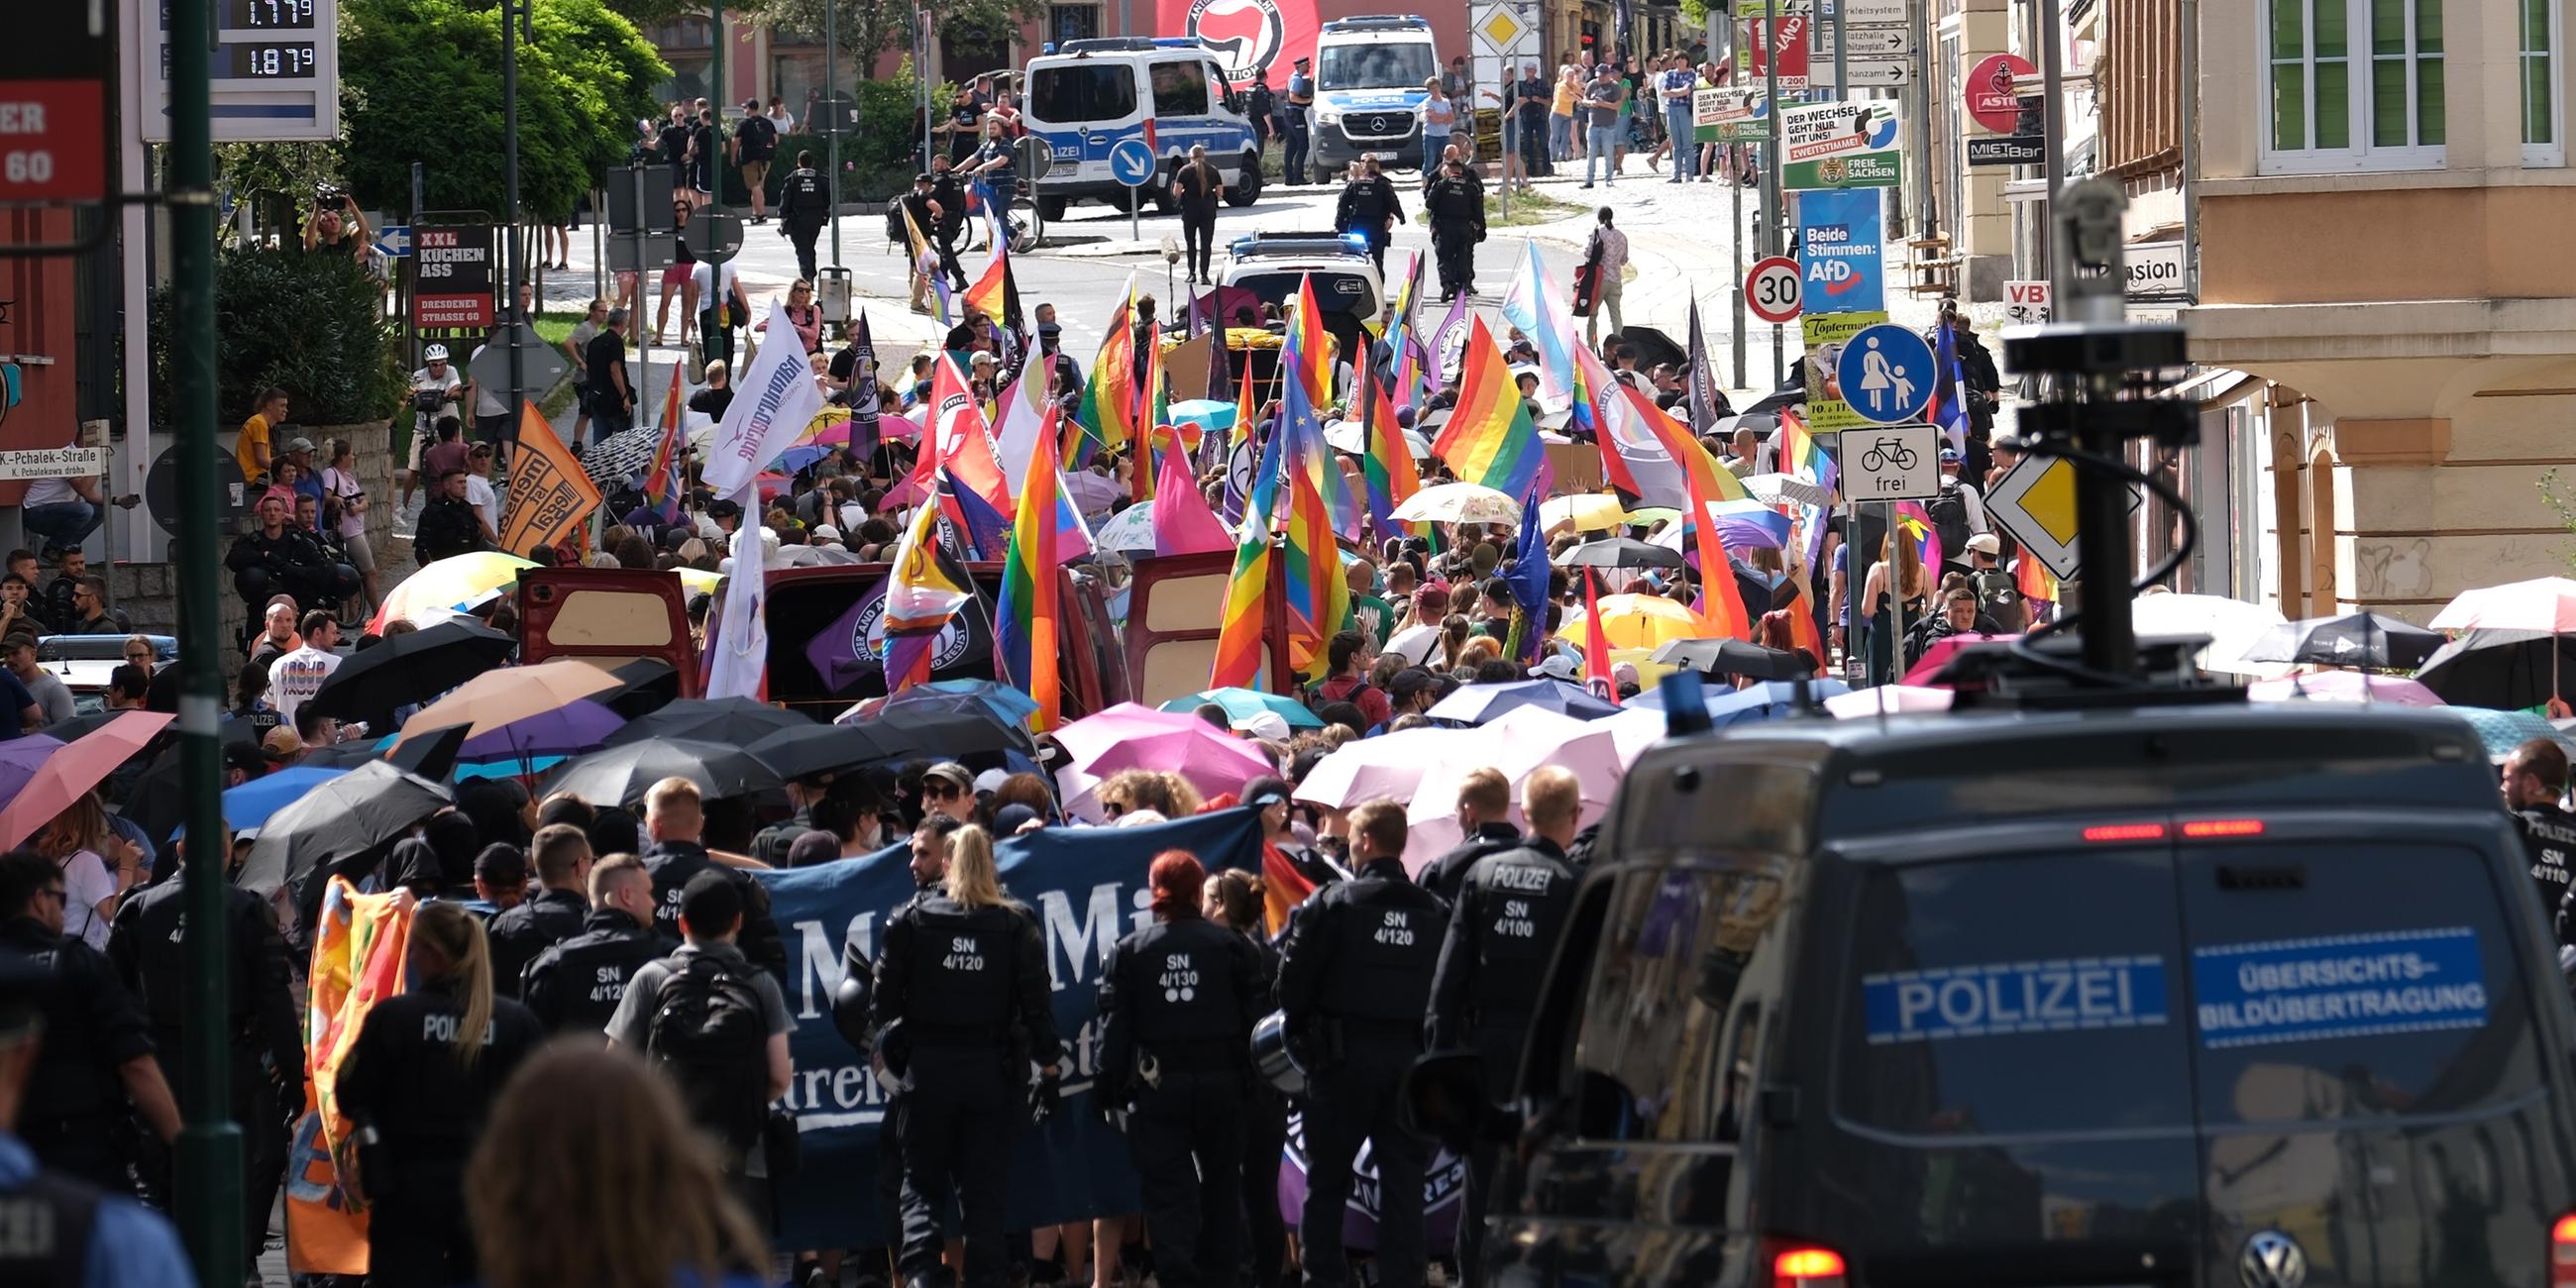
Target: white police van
[[1086, 97], [1369, 74]]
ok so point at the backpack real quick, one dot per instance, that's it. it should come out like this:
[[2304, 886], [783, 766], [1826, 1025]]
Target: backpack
[[707, 1035], [759, 135], [1949, 513], [1994, 587], [1316, 701]]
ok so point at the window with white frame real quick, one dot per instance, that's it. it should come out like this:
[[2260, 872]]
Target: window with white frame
[[2352, 85], [2542, 141]]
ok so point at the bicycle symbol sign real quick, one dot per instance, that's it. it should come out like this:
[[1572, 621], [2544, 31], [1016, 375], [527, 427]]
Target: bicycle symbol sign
[[1886, 374], [1892, 463]]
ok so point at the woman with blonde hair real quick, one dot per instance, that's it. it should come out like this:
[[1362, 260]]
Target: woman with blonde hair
[[962, 965], [578, 1134], [418, 1084], [1131, 790], [98, 867]]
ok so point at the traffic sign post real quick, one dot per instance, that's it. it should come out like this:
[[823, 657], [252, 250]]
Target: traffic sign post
[[393, 241], [1892, 463], [1771, 289], [540, 364], [2035, 502], [1886, 374], [1132, 163]]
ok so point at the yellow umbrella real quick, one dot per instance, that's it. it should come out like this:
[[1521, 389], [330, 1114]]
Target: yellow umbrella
[[698, 581], [511, 694], [1636, 621], [449, 583], [1582, 511]]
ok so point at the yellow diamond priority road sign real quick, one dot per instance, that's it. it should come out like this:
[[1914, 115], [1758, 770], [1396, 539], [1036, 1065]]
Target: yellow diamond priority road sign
[[2035, 502], [1501, 28]]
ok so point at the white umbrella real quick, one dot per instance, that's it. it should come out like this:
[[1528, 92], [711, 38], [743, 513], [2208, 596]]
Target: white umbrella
[[1888, 699], [1515, 743], [1775, 488], [1091, 492], [1131, 529], [1352, 436], [2232, 625], [2545, 604], [1458, 503]]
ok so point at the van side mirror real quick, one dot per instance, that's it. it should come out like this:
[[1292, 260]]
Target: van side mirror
[[1445, 1098]]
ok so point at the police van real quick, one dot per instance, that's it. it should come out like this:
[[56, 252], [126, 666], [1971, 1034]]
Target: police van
[[1169, 91], [1369, 74], [2200, 994]]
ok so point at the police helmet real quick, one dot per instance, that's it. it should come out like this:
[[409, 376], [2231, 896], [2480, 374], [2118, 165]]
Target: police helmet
[[1276, 1056], [850, 1000]]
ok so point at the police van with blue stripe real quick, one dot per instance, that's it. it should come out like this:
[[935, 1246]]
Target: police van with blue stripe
[[1369, 90], [1089, 95], [2198, 994]]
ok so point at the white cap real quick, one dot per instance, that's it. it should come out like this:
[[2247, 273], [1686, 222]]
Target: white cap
[[1264, 724], [990, 780]]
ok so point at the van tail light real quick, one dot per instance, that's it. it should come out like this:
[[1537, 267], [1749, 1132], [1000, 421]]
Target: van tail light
[[1802, 1265], [2114, 833], [2562, 1252], [2210, 829]]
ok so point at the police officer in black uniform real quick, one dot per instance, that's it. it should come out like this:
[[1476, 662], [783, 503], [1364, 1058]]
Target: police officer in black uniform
[[1355, 979], [962, 967], [1177, 1004], [951, 197], [804, 206], [673, 820], [574, 986], [1510, 910], [1485, 818], [148, 946], [95, 1037], [1369, 206], [561, 853], [2534, 780], [1456, 202], [929, 868]]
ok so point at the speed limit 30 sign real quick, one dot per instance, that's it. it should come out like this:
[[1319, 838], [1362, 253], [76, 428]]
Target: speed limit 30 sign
[[1771, 289]]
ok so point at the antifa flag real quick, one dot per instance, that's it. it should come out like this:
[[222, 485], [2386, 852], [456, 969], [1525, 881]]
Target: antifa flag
[[1086, 886], [864, 411]]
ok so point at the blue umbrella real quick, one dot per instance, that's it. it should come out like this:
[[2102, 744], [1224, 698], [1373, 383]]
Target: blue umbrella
[[1243, 704], [1012, 705], [1206, 413], [1477, 703], [1769, 700], [250, 804], [2502, 731]]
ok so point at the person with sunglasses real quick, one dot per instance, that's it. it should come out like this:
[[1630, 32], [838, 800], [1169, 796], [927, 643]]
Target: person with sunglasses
[[949, 788]]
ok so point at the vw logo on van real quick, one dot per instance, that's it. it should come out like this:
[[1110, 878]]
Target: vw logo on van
[[2272, 1260]]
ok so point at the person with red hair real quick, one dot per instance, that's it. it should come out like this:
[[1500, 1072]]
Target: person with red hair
[[1177, 1003]]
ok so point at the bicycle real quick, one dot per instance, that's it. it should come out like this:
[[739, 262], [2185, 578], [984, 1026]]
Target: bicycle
[[1027, 224], [1887, 453]]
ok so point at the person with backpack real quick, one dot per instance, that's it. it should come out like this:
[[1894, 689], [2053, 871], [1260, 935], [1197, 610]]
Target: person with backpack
[[962, 968], [1957, 513], [717, 1026], [755, 144], [1349, 653], [1998, 593]]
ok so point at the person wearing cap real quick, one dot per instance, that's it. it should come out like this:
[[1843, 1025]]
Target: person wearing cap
[[147, 946], [1297, 106], [949, 788], [1410, 692], [1998, 594], [771, 844], [1957, 512], [125, 1243], [674, 820], [1419, 637], [1178, 1000]]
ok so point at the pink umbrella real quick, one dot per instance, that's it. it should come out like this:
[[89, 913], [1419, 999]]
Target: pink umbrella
[[892, 425], [1385, 767], [1129, 736], [1940, 652], [2545, 604], [1515, 743], [81, 765], [2344, 686]]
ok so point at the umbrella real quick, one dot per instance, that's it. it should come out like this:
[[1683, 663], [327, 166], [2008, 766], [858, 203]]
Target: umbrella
[[251, 804], [1130, 530], [2499, 732], [1635, 621], [1458, 503], [1352, 436], [1889, 699], [2232, 625], [2354, 639], [73, 730], [74, 768], [1091, 493], [20, 758], [645, 684], [1769, 700], [1243, 704], [943, 726], [432, 755], [372, 683], [1516, 743], [1008, 704], [2507, 670], [1206, 413], [621, 775], [1478, 704], [1386, 767], [577, 726], [1735, 657], [1620, 552], [622, 455], [497, 698], [734, 722], [1581, 511], [1937, 655], [1776, 488], [1129, 736], [455, 583], [816, 749], [2546, 604], [341, 819], [2343, 686]]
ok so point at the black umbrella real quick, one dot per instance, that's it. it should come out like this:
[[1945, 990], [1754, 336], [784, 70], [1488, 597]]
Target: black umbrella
[[431, 755], [1654, 347], [817, 749], [1734, 657], [621, 775], [1620, 552], [2507, 670], [340, 819], [74, 729], [412, 667], [621, 455], [650, 685], [945, 726], [734, 722], [2354, 639]]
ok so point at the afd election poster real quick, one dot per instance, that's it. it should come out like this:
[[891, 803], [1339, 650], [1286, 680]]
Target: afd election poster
[[1087, 887], [1839, 251]]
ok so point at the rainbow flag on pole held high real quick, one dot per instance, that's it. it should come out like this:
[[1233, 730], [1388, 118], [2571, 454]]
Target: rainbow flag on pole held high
[[1108, 413], [1152, 411], [1318, 594], [1312, 347], [1489, 438], [922, 593], [1243, 639], [1393, 478], [1025, 628]]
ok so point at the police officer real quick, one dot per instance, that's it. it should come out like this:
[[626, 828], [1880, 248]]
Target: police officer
[[1300, 98], [962, 966], [574, 986], [95, 1039], [2534, 779], [1485, 820], [674, 818], [562, 855], [1177, 1004], [63, 1232], [929, 868], [951, 196], [1456, 201], [148, 946], [1355, 980], [804, 206], [1510, 909], [1369, 206], [418, 1083]]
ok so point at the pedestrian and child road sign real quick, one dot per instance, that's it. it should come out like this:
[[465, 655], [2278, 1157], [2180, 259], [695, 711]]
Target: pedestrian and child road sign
[[1885, 373]]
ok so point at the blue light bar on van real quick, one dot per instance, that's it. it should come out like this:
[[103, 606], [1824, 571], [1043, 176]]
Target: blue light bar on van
[[1685, 704], [1047, 48], [1356, 241]]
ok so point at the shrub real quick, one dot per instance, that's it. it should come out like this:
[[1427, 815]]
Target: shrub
[[309, 324]]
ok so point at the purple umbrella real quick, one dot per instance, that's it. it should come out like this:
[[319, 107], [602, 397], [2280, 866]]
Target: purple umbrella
[[575, 727], [19, 758]]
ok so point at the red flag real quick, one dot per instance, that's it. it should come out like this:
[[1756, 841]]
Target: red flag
[[1596, 646]]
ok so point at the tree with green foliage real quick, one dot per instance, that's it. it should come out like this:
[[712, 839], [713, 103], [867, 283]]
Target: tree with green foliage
[[311, 324], [867, 28], [421, 81]]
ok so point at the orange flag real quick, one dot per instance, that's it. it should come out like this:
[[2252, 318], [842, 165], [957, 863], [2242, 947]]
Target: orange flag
[[550, 494]]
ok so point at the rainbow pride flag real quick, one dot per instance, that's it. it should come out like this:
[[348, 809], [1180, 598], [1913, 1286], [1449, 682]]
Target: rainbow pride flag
[[1025, 628], [1392, 476], [1108, 414], [1490, 439]]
